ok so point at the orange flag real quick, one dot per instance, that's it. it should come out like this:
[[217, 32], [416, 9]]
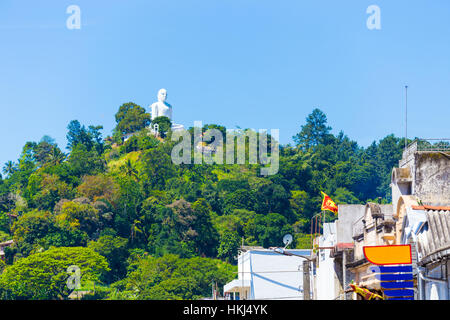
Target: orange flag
[[328, 204]]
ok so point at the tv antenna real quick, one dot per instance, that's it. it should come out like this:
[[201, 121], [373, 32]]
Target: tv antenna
[[287, 240]]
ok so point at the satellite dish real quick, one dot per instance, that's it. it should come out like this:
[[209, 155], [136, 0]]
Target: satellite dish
[[287, 239]]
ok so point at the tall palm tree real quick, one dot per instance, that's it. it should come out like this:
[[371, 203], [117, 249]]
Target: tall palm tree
[[56, 156], [135, 229], [9, 168], [130, 170]]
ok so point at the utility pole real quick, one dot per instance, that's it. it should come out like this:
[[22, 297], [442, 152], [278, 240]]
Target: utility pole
[[406, 117], [241, 294], [306, 281]]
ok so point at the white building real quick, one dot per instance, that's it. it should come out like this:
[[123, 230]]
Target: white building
[[265, 274], [325, 274]]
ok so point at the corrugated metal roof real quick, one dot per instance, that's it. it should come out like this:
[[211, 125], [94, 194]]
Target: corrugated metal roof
[[435, 236]]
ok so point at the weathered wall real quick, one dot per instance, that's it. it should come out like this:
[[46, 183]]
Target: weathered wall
[[348, 214], [432, 177], [339, 286]]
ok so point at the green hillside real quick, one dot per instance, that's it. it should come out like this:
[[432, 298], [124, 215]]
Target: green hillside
[[156, 230]]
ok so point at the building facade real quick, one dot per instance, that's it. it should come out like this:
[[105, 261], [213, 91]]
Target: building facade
[[421, 199], [419, 216]]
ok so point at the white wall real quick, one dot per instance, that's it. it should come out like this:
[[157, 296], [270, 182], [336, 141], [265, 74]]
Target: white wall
[[325, 273], [275, 276]]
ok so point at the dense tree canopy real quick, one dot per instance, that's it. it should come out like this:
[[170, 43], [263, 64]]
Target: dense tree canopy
[[44, 275], [174, 278], [131, 118]]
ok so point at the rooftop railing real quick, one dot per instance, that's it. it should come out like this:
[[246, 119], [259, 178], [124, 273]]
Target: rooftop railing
[[431, 145]]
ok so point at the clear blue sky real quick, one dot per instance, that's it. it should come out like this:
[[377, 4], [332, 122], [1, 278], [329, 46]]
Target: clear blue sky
[[249, 63]]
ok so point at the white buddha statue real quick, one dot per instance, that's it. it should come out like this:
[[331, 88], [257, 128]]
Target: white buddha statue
[[163, 109]]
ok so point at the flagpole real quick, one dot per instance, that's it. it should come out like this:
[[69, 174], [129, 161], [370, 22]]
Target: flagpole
[[323, 223]]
